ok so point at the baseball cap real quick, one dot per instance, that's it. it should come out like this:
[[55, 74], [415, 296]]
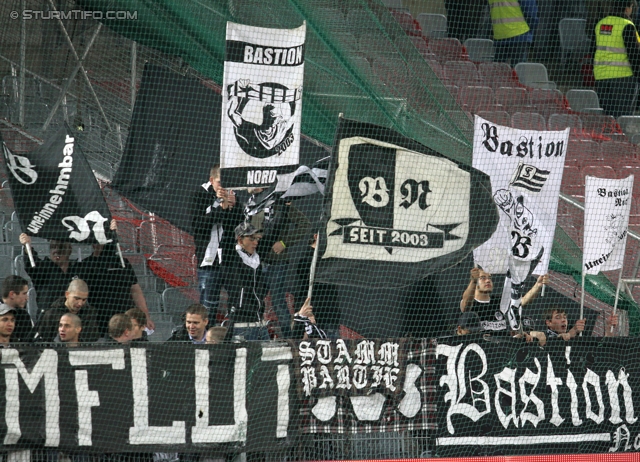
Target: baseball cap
[[246, 229], [470, 321], [4, 309]]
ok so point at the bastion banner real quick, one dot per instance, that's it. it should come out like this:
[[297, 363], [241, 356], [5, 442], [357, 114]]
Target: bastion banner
[[261, 104], [56, 194], [475, 395]]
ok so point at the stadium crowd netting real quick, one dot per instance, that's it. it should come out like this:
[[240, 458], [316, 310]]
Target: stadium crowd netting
[[421, 148]]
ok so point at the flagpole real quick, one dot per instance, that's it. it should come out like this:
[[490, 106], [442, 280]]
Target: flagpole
[[615, 303], [582, 301], [30, 253], [120, 254], [312, 272]]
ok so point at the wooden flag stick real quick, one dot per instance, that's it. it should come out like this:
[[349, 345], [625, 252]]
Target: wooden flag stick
[[312, 272], [615, 303], [120, 253], [582, 301], [30, 253]]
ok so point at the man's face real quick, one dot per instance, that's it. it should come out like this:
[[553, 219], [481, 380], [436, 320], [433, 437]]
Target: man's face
[[76, 300], [196, 326], [485, 285], [558, 323], [67, 330], [59, 251], [7, 325], [249, 243], [215, 182], [19, 299], [137, 330]]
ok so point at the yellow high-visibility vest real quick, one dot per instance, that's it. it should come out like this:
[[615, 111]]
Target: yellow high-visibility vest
[[610, 60], [507, 19]]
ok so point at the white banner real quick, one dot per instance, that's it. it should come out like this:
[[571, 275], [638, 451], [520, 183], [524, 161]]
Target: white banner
[[261, 104], [526, 168], [607, 207]]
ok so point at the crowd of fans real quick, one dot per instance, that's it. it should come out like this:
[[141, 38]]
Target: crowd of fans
[[99, 299]]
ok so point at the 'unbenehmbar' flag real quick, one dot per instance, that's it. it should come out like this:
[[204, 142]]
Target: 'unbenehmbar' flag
[[261, 104], [526, 169], [55, 193], [606, 211], [396, 211]]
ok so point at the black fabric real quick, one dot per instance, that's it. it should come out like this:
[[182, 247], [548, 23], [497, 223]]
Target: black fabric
[[491, 317], [55, 192], [246, 288], [23, 328], [629, 35], [617, 95], [202, 223], [174, 140], [49, 281], [47, 328], [109, 284]]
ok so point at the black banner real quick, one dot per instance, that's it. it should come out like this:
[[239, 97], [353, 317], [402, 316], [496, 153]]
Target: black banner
[[174, 140], [55, 192], [395, 207], [499, 395]]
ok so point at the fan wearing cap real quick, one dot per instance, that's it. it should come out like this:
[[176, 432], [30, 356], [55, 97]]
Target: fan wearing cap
[[7, 324], [468, 323], [244, 281]]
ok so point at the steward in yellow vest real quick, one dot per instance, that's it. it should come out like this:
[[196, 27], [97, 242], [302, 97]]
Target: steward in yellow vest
[[514, 22], [616, 61]]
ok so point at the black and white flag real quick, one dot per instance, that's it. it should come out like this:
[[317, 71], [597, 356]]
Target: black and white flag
[[261, 104], [606, 211], [396, 211], [55, 193], [526, 169]]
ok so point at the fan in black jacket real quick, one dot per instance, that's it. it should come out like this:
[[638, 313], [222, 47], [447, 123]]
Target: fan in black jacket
[[245, 285]]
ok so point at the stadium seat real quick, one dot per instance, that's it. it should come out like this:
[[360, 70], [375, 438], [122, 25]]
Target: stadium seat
[[175, 300], [630, 125], [391, 71], [595, 124], [547, 102], [583, 152], [611, 150], [433, 25], [409, 25], [359, 21], [497, 117], [534, 75], [635, 139], [476, 99], [572, 182], [599, 171], [453, 90], [562, 121], [333, 18], [437, 68], [392, 3], [497, 75], [573, 38], [513, 99], [373, 47], [583, 100], [462, 73], [447, 49], [480, 50], [528, 121], [420, 43]]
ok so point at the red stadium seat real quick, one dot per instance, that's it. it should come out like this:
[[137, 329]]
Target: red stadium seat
[[420, 43], [547, 102], [528, 121], [462, 73], [496, 75], [497, 117], [513, 99], [447, 49], [572, 182], [597, 124], [476, 99], [562, 121], [409, 25]]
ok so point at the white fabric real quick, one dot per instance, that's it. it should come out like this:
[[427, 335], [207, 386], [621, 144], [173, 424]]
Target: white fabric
[[525, 184], [213, 249], [250, 260], [607, 207]]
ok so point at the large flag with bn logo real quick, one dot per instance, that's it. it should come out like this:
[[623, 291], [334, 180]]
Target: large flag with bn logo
[[526, 169], [606, 210], [396, 211], [55, 193], [261, 104]]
